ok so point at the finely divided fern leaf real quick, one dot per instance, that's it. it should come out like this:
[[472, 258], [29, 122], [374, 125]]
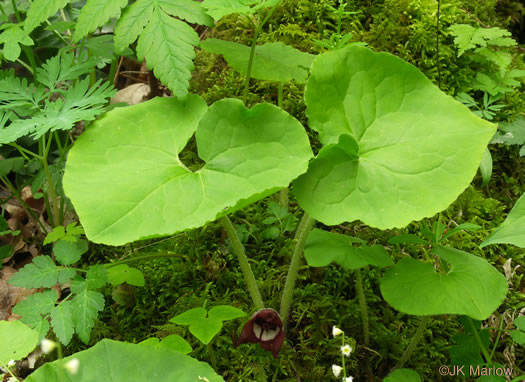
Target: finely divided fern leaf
[[468, 37], [166, 43], [81, 103], [15, 92], [95, 14], [62, 68], [40, 11]]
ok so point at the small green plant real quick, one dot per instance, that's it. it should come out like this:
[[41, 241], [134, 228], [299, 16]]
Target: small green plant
[[205, 325], [278, 221], [486, 47], [74, 313]]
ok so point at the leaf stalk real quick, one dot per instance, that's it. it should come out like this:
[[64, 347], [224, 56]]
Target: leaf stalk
[[238, 249], [305, 226]]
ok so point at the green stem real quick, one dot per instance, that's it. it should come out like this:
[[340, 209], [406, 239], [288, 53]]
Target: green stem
[[8, 370], [213, 359], [26, 206], [362, 305], [283, 194], [59, 145], [238, 249], [28, 52], [303, 230], [497, 337], [482, 347], [250, 62], [28, 68], [140, 258], [252, 50], [50, 185], [413, 342], [343, 357]]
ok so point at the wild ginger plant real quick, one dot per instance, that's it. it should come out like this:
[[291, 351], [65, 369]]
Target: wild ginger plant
[[395, 149]]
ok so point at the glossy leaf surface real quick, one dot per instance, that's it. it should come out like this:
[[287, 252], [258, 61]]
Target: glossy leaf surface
[[512, 230], [471, 286], [127, 182], [272, 61], [323, 248], [397, 149], [126, 362]]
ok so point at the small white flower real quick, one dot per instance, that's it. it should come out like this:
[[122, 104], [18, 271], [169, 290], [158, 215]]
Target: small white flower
[[47, 346], [72, 366], [336, 331], [11, 363], [346, 350], [336, 370], [348, 379]]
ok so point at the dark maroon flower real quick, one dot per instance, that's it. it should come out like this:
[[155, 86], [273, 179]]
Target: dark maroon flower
[[265, 328]]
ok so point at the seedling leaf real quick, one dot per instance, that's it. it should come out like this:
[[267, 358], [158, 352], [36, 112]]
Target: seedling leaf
[[471, 287], [122, 273], [205, 325], [392, 140]]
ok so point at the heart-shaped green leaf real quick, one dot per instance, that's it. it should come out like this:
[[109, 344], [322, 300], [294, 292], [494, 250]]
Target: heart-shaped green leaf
[[125, 362], [471, 286], [205, 325], [512, 230], [323, 248], [273, 61], [17, 342], [126, 180], [123, 273], [397, 149]]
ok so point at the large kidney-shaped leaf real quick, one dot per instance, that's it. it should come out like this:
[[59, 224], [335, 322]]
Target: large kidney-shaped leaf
[[125, 362], [323, 248], [126, 180], [471, 286], [512, 230], [273, 61], [397, 149]]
